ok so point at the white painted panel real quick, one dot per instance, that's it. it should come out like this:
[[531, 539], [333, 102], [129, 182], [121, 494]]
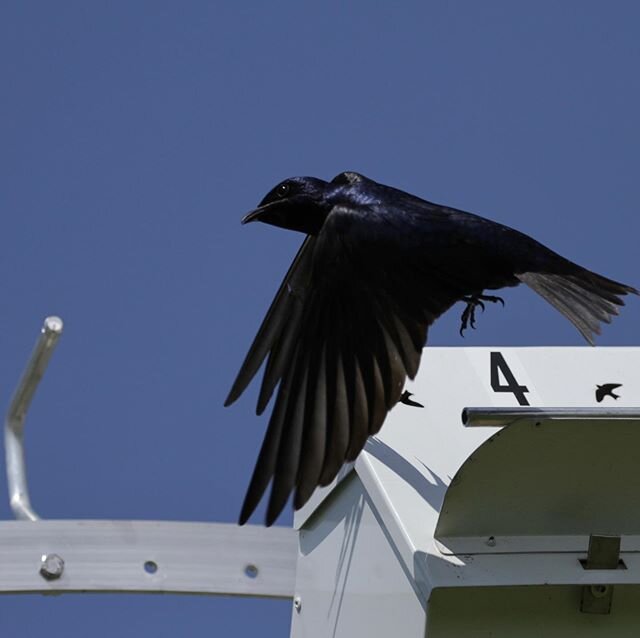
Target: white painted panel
[[350, 582]]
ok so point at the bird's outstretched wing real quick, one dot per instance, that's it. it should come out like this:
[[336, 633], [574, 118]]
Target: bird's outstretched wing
[[344, 332]]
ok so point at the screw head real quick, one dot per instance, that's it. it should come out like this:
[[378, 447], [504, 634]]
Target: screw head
[[251, 571], [491, 541], [599, 591], [51, 566]]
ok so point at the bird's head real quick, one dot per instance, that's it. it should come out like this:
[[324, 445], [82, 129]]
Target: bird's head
[[298, 203]]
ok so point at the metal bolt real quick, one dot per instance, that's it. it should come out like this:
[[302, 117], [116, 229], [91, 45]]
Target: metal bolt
[[599, 591], [491, 541], [297, 604], [251, 571], [51, 566]]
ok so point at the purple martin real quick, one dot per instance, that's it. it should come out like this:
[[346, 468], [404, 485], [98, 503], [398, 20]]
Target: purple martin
[[347, 326]]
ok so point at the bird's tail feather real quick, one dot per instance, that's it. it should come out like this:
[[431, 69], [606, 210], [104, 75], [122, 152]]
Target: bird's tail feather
[[585, 298]]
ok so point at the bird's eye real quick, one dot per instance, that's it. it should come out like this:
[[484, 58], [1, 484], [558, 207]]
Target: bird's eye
[[283, 190]]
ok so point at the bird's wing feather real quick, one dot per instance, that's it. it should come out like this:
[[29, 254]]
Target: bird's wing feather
[[283, 315], [341, 351]]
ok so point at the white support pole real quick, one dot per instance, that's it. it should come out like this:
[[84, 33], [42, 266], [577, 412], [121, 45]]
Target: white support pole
[[15, 419]]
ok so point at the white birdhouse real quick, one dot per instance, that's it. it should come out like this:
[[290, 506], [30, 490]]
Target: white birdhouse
[[508, 506]]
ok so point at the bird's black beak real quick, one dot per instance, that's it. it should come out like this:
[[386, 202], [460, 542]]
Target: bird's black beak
[[268, 213], [253, 216], [292, 213]]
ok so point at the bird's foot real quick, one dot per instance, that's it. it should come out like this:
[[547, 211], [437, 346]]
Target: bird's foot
[[468, 317]]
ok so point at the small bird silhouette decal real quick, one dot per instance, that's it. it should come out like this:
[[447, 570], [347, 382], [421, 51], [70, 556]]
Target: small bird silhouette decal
[[405, 398], [607, 390]]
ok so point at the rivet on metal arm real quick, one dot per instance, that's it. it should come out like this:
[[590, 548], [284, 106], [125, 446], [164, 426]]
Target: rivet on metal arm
[[14, 422]]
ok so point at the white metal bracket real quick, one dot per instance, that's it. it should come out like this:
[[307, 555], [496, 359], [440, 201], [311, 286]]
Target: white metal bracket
[[155, 557], [56, 556]]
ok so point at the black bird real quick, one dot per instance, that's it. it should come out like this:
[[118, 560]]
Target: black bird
[[607, 390], [348, 324]]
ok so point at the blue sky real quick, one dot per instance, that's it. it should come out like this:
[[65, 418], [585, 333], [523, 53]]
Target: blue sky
[[134, 136]]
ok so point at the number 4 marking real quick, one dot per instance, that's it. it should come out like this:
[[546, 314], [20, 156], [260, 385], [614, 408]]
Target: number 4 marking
[[499, 365]]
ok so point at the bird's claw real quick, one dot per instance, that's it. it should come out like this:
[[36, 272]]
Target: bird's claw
[[491, 299], [468, 318]]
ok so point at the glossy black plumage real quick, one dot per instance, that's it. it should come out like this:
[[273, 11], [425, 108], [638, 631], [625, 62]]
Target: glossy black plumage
[[349, 321]]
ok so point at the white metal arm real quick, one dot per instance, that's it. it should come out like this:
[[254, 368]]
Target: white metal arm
[[14, 421], [154, 557], [127, 556]]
